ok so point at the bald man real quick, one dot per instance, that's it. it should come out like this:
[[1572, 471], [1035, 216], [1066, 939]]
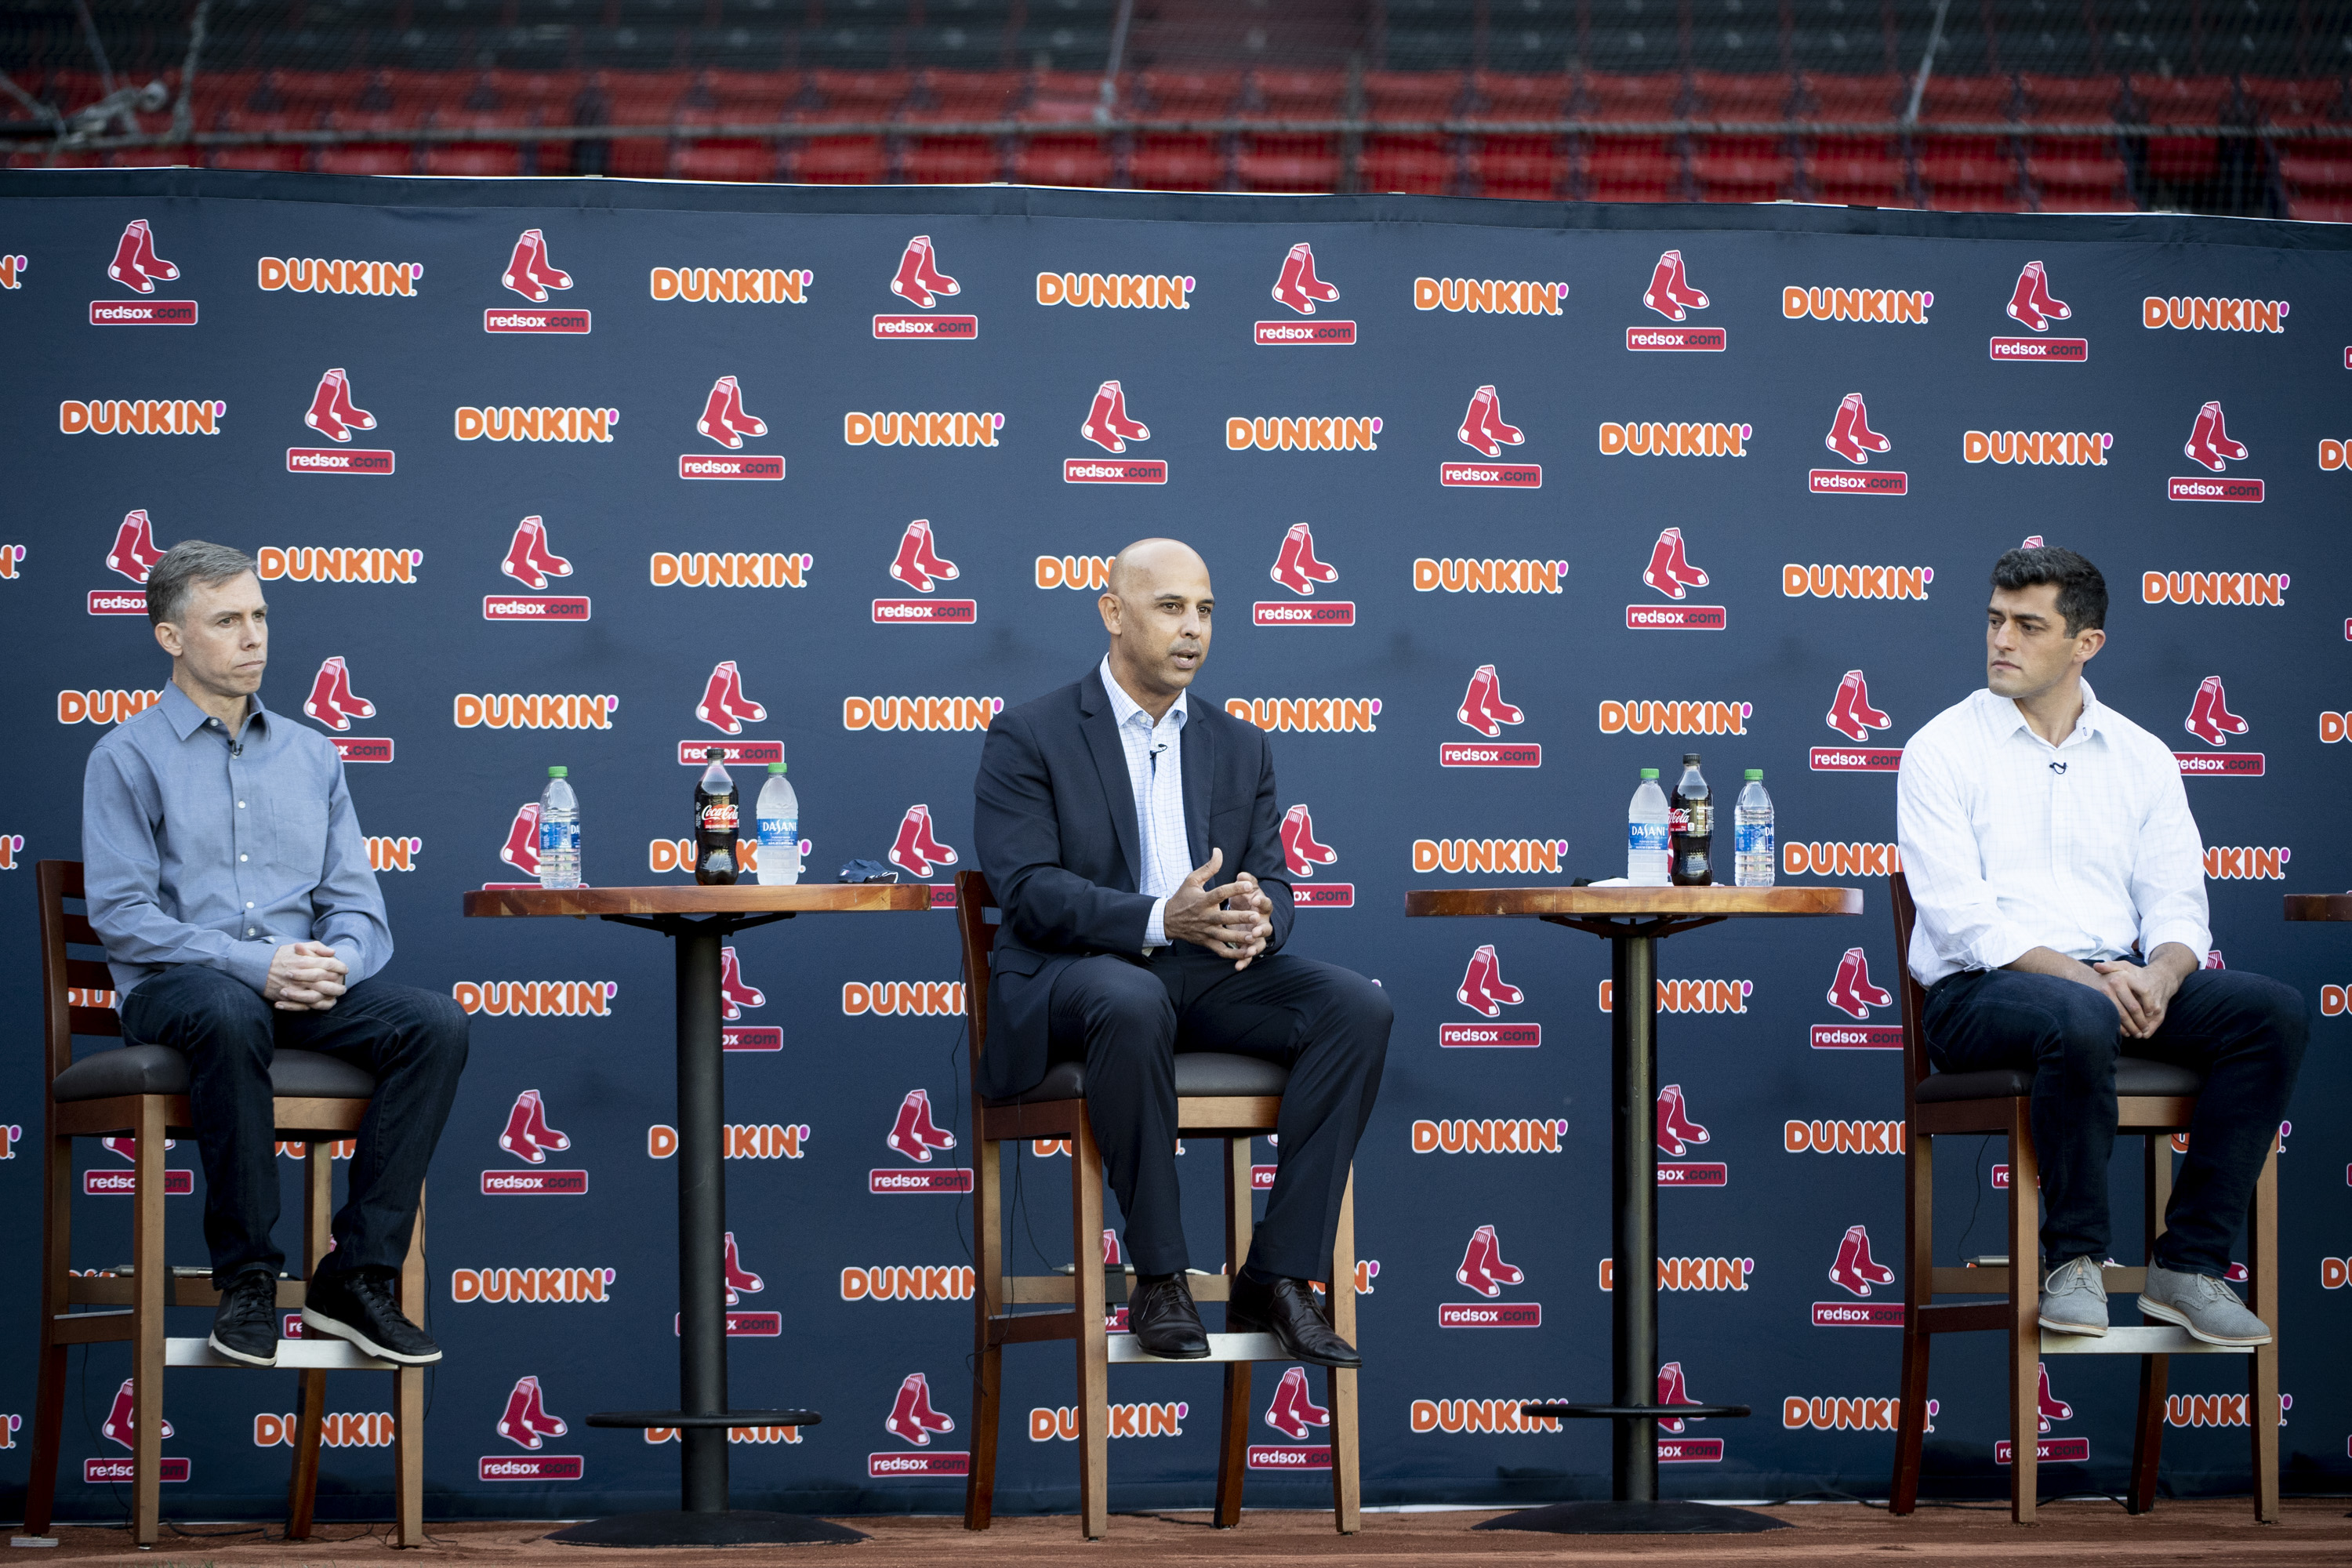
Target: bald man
[[1131, 837]]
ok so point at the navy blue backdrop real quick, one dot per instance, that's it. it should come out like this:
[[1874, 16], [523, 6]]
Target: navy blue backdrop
[[1758, 449]]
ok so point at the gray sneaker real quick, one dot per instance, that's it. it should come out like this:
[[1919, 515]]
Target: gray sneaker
[[2208, 1308], [2075, 1299]]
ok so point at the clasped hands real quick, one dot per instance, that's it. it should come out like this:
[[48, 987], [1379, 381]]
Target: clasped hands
[[1234, 921], [2142, 993], [304, 977]]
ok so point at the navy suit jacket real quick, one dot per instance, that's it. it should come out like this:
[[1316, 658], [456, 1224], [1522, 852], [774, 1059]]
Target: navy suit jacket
[[1054, 819]]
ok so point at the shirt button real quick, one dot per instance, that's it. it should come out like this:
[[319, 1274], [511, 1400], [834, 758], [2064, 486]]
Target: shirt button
[[248, 903], [241, 857], [249, 930], [240, 806]]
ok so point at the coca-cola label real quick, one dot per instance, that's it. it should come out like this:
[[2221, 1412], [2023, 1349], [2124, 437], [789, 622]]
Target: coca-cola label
[[718, 816]]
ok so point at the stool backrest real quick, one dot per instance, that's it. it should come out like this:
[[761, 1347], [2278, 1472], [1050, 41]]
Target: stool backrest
[[1914, 995], [974, 905], [76, 993]]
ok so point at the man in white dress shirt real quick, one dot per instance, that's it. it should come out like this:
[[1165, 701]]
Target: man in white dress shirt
[[2061, 886]]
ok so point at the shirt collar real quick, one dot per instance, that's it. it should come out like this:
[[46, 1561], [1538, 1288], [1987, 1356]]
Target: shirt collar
[[1126, 708], [2007, 718], [186, 718]]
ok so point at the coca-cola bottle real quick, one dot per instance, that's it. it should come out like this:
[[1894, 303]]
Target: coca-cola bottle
[[715, 817], [1690, 820]]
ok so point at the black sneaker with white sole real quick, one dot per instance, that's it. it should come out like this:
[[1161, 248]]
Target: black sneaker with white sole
[[359, 1307], [245, 1325]]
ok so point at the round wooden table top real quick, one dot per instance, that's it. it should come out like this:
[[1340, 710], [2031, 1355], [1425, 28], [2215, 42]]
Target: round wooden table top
[[742, 898], [1602, 903], [2319, 906]]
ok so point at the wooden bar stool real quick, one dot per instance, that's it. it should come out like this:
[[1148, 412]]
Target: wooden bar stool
[[2153, 1099], [142, 1092], [1219, 1095]]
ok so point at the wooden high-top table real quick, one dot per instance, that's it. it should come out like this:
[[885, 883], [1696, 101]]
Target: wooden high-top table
[[2319, 906], [700, 919], [1634, 919]]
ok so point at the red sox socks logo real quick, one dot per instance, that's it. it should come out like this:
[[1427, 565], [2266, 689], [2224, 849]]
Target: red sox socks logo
[[1851, 992], [1854, 1271], [734, 993], [2208, 441], [1300, 850], [1299, 287], [917, 850], [528, 1136], [1295, 566], [2209, 719], [2049, 1407], [128, 1147], [740, 1282], [1483, 708], [1676, 1131], [117, 1426], [918, 278], [914, 1136], [1482, 989], [526, 1423], [1851, 714], [1107, 424], [723, 706], [2030, 303], [134, 553], [723, 419], [331, 701], [529, 561], [1673, 1390], [911, 1416], [919, 564], [135, 264], [1849, 436], [1670, 570], [1670, 293], [331, 414], [528, 272], [1294, 1410], [1483, 1268], [1483, 427], [522, 848]]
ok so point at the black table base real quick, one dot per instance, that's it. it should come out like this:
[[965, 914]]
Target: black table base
[[1636, 1518], [743, 1527]]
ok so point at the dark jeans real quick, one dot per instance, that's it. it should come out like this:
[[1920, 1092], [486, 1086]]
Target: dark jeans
[[1127, 1018], [415, 1043], [2244, 1032]]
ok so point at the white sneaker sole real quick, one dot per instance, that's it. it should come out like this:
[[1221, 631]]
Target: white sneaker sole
[[2178, 1319], [2092, 1331], [239, 1356], [327, 1325]]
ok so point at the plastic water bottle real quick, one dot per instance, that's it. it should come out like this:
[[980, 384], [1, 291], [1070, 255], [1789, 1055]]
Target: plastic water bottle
[[779, 831], [1754, 833], [559, 832], [1646, 823]]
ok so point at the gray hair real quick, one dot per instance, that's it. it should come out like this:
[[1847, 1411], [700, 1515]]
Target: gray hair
[[185, 564]]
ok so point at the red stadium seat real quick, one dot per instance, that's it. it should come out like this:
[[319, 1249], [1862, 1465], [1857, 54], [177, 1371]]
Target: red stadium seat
[[2324, 170], [1288, 163], [1300, 95], [1851, 99], [1859, 172], [723, 160], [1190, 95], [1502, 95], [1642, 168], [314, 90], [749, 97], [1741, 168], [1970, 168], [553, 92], [2068, 172], [1975, 201], [1527, 168], [2293, 103], [1741, 95], [2069, 99], [1967, 99], [974, 95], [860, 95], [1411, 95], [950, 159], [1068, 97], [1416, 165], [484, 158], [839, 161], [2320, 211], [1614, 171], [2183, 100], [283, 158], [1063, 161], [364, 160], [1171, 160]]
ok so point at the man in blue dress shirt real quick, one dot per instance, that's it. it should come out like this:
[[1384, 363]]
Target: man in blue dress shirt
[[227, 876]]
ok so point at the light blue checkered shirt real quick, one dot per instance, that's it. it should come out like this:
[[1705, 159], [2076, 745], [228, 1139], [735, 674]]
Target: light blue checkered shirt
[[1159, 784]]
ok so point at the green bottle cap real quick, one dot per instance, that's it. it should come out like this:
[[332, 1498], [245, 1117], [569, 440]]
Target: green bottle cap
[[559, 772], [775, 767], [1649, 773], [1756, 773]]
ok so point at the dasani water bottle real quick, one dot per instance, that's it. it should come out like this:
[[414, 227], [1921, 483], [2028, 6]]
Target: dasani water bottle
[[1753, 833], [779, 831], [559, 832], [1647, 856]]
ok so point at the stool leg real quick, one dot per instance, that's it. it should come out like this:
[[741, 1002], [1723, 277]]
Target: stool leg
[[1918, 1261], [2155, 1371], [1233, 1429], [1093, 1343], [1346, 1476], [318, 1208], [987, 1358], [2025, 1307], [49, 1401], [408, 1398], [2262, 1407], [149, 1293]]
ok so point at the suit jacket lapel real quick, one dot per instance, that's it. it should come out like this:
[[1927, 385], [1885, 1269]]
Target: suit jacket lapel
[[1199, 764], [1101, 726]]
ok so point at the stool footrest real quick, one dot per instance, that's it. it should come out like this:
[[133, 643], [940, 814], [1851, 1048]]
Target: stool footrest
[[1617, 1411], [305, 1355], [680, 1419], [2150, 1339], [1124, 1351]]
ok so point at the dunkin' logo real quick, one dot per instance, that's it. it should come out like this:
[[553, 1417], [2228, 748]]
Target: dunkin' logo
[[901, 1282], [744, 1140], [141, 417], [1691, 1273], [920, 713], [536, 1285], [526, 1423], [12, 560], [1160, 1420], [12, 849], [311, 275], [921, 429], [332, 563], [1830, 1413], [2213, 588], [1844, 1137], [1484, 710], [1494, 296], [1852, 438], [2216, 1409], [1297, 287], [518, 710], [1856, 581], [1116, 291], [1497, 1415], [337, 1429], [1841, 859], [104, 707], [12, 276], [2188, 313], [2247, 863], [708, 569], [1637, 439], [1303, 433], [537, 998], [511, 424], [1638, 717], [1307, 715], [1460, 574], [393, 854], [1853, 715], [1490, 1136], [1086, 573], [1297, 568], [1896, 307], [2070, 449], [1484, 992], [731, 285], [1508, 855], [902, 998], [1688, 996]]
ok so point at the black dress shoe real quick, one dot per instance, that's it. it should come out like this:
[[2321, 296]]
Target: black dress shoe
[[245, 1325], [1287, 1311], [1164, 1321], [359, 1307]]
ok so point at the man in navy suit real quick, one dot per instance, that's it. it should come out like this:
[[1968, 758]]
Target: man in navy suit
[[1105, 812]]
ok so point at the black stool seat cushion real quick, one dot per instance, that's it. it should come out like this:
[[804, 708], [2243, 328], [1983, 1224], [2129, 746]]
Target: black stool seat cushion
[[1198, 1073], [2134, 1075], [159, 1069]]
